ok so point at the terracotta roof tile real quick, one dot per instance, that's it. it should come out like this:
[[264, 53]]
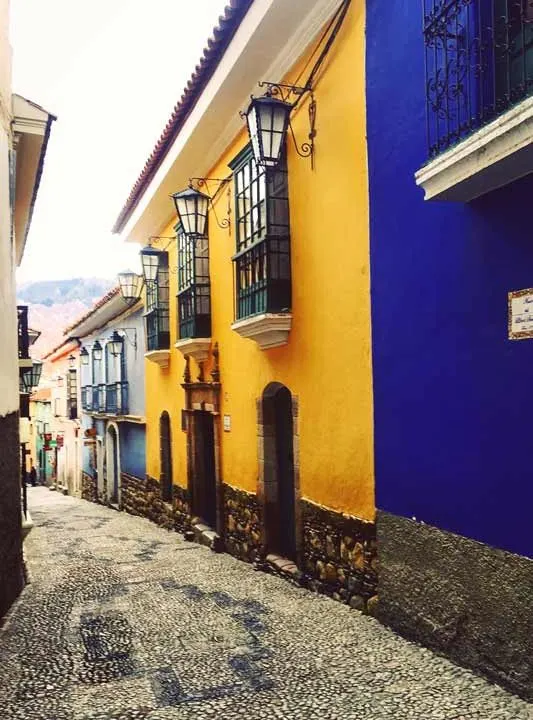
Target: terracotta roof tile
[[100, 303], [41, 395], [215, 48]]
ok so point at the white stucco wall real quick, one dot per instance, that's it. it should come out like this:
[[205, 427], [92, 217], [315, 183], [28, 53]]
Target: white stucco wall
[[9, 386]]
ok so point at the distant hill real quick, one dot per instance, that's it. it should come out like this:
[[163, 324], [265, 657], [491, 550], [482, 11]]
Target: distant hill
[[56, 304], [59, 292]]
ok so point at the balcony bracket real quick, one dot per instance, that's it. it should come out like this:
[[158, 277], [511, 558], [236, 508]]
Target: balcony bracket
[[269, 330], [161, 357], [197, 348]]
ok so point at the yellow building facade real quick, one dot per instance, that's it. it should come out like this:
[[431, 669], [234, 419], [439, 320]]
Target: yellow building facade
[[270, 417]]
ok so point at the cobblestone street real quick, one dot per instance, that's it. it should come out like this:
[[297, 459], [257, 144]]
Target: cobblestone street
[[125, 620]]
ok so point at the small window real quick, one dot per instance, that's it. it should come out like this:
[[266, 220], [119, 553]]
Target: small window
[[262, 261], [72, 394]]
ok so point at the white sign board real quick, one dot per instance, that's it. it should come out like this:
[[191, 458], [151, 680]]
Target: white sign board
[[227, 423], [521, 314]]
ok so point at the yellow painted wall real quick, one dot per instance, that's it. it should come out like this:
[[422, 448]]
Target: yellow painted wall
[[327, 362]]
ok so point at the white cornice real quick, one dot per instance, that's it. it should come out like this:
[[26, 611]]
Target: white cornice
[[271, 38]]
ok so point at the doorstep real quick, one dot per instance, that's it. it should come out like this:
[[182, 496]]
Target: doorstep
[[205, 535]]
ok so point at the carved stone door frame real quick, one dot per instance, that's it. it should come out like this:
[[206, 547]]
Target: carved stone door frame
[[205, 397]]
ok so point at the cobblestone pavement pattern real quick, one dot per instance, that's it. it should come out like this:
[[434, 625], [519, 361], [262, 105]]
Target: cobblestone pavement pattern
[[123, 620]]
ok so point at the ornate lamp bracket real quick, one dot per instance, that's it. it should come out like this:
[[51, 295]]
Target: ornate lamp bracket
[[203, 182], [293, 94]]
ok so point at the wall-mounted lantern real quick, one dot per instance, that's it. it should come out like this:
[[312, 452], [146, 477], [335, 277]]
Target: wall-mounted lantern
[[97, 351], [71, 362], [191, 206], [30, 377], [267, 119], [130, 285], [84, 355], [116, 341], [150, 258]]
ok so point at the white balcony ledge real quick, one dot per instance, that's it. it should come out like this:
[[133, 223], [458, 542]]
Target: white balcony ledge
[[161, 357], [268, 330], [197, 348], [492, 157]]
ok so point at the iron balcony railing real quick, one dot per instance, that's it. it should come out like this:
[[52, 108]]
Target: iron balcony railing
[[117, 398], [23, 335], [94, 400], [101, 397], [87, 397], [157, 329], [479, 63], [263, 277]]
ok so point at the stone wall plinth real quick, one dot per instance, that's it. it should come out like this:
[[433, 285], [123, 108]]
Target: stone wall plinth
[[242, 517], [339, 555], [89, 488], [143, 498]]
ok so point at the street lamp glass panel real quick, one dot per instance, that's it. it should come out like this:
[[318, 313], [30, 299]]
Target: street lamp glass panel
[[268, 119], [116, 344], [36, 370], [25, 379], [97, 351], [130, 285], [150, 262], [192, 206], [84, 355]]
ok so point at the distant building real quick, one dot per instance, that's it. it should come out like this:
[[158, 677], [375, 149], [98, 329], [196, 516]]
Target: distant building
[[62, 365], [42, 455], [24, 132], [112, 406]]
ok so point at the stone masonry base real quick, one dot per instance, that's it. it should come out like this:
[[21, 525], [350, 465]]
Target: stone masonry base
[[459, 597], [11, 562]]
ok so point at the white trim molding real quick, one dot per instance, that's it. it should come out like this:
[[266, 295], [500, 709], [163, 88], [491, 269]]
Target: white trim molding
[[269, 330], [197, 348], [492, 157], [161, 357]]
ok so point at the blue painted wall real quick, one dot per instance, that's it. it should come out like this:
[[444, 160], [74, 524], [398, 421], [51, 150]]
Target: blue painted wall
[[451, 392], [132, 449], [131, 435]]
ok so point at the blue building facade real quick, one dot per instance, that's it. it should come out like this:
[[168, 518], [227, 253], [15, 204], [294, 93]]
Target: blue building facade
[[453, 465], [112, 398]]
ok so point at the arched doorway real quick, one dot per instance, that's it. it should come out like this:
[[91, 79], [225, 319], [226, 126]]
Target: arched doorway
[[112, 466], [165, 446], [279, 471]]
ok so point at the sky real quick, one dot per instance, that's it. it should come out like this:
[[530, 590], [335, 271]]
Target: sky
[[112, 71]]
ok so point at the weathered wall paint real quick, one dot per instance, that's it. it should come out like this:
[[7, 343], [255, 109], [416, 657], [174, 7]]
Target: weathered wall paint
[[327, 362], [451, 392]]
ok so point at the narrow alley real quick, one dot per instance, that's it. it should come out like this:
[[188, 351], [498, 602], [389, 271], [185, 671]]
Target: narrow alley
[[124, 620]]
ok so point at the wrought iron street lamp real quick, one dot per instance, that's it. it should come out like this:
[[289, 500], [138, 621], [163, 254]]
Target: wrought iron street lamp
[[97, 351], [30, 377], [84, 355], [115, 344], [71, 362], [192, 206], [130, 285], [150, 258], [267, 118]]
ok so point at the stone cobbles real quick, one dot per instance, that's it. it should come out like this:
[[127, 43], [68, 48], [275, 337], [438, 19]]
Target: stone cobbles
[[124, 620]]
